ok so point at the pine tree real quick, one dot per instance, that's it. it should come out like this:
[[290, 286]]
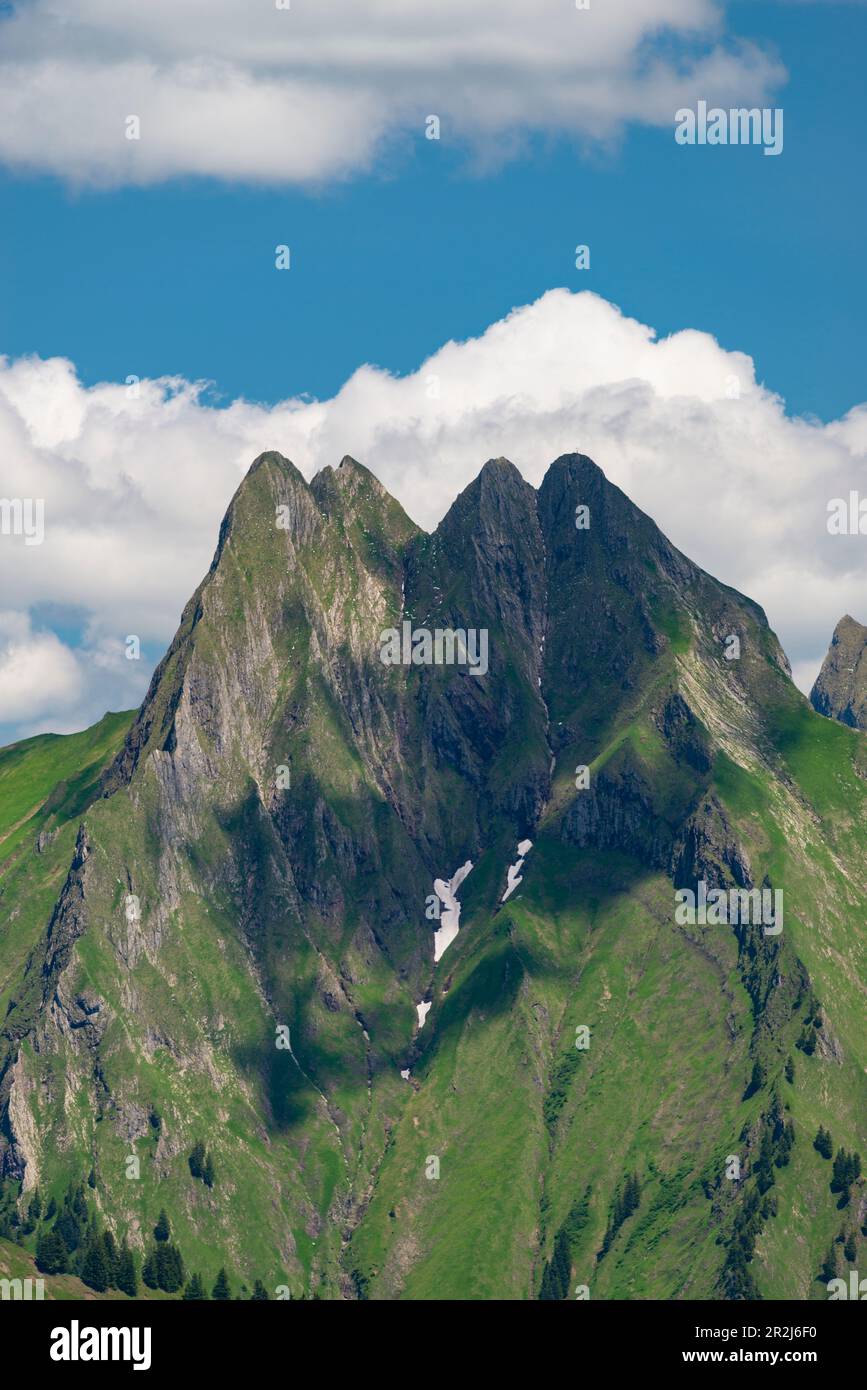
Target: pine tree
[[631, 1195], [260, 1293], [51, 1254], [126, 1279], [149, 1272], [170, 1268], [208, 1172], [785, 1139], [162, 1230], [829, 1264], [764, 1169], [35, 1205], [562, 1262], [578, 1218], [196, 1159], [842, 1168], [93, 1270], [790, 1071], [558, 1271], [68, 1227], [823, 1143], [626, 1199], [847, 1169], [221, 1290], [91, 1178], [110, 1252], [737, 1281], [78, 1202], [807, 1041], [195, 1289]]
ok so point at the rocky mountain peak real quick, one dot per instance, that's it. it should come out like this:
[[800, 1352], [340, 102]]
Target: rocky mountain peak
[[320, 781], [840, 689]]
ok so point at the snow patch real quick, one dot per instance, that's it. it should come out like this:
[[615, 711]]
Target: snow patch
[[514, 876], [422, 1010], [450, 916]]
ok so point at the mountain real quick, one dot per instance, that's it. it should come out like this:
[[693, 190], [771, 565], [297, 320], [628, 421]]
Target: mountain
[[840, 690], [395, 943]]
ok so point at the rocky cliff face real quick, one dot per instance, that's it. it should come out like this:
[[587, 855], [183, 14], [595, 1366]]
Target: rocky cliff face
[[840, 690], [243, 936]]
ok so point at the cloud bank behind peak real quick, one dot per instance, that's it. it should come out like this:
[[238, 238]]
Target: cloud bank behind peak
[[135, 486]]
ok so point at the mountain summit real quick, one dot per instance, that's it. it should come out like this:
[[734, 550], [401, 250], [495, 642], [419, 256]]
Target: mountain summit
[[840, 689], [380, 906]]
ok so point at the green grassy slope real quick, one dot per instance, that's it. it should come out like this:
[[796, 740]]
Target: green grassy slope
[[52, 778], [525, 1125], [46, 785]]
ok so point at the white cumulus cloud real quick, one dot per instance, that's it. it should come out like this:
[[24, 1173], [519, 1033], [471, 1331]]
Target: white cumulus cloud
[[313, 91], [37, 672], [135, 486]]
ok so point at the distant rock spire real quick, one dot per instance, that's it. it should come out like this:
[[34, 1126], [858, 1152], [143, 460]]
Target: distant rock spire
[[840, 691]]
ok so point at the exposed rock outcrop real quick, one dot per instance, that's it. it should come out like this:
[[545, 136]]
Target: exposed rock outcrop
[[840, 689]]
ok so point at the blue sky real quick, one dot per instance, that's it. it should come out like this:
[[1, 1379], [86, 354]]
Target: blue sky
[[155, 259], [766, 254]]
